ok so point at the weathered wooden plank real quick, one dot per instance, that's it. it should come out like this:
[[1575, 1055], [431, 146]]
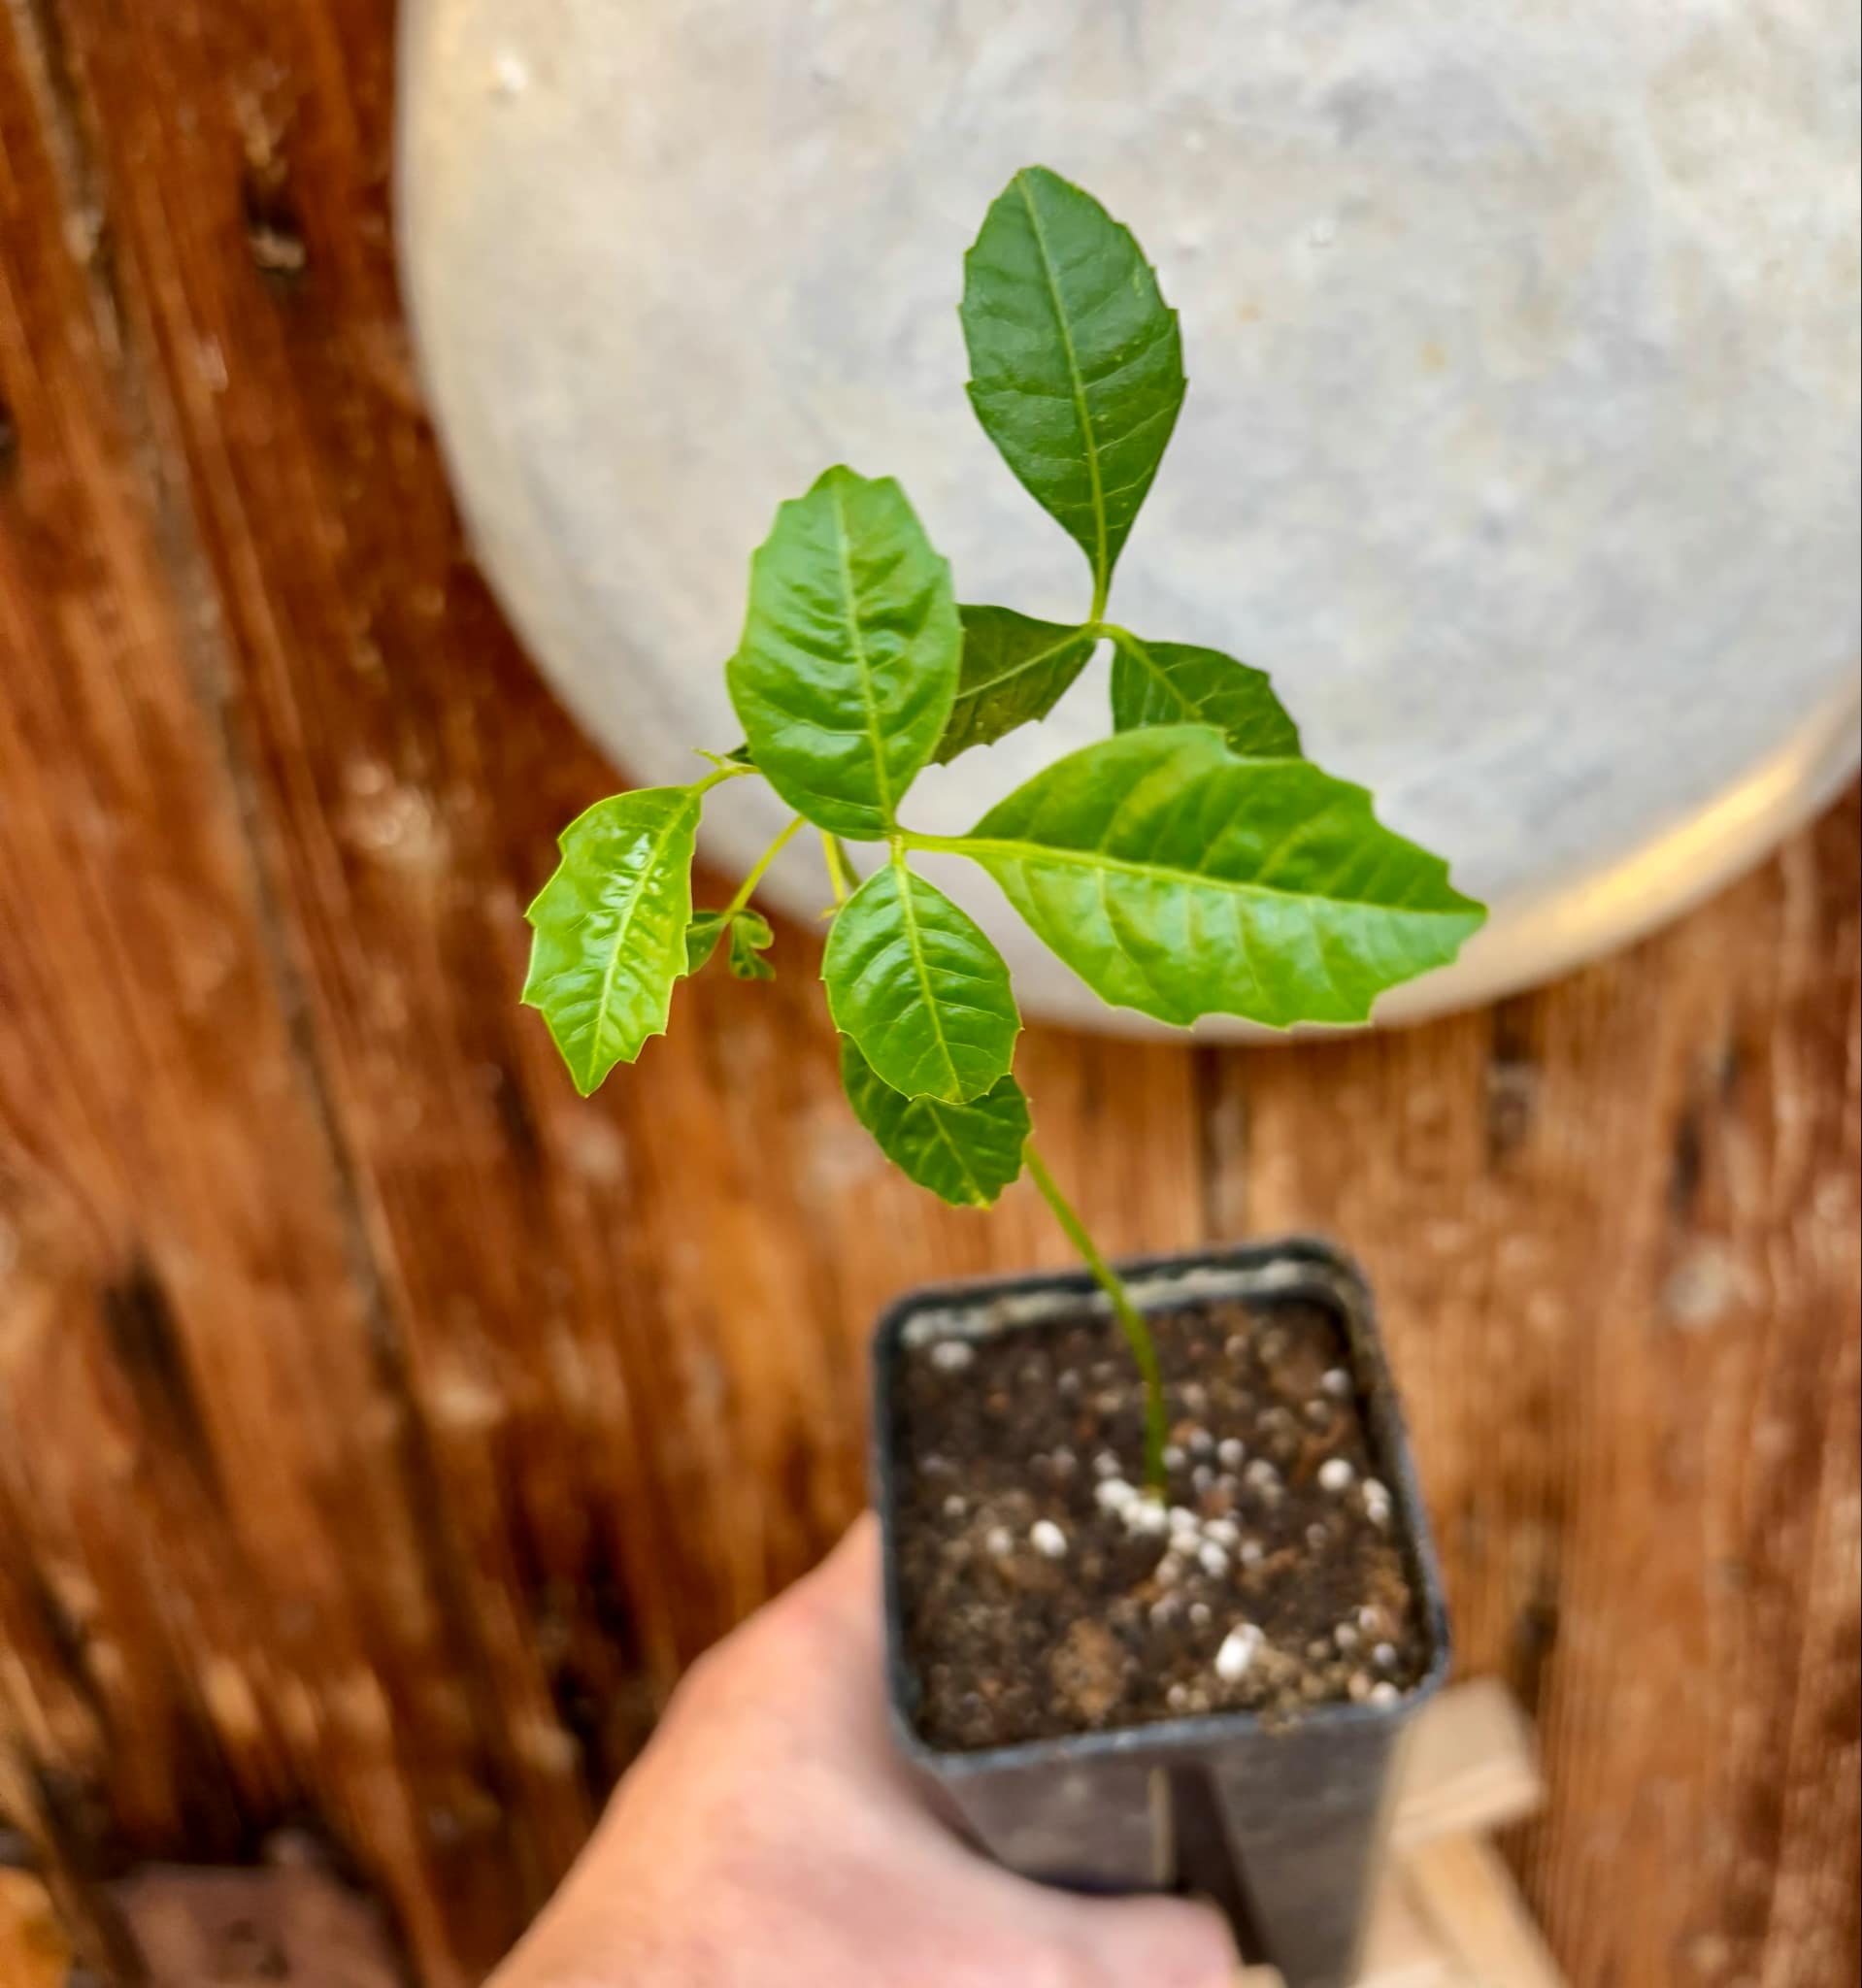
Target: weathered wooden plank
[[1614, 1229], [34, 1952], [215, 1602], [633, 1326]]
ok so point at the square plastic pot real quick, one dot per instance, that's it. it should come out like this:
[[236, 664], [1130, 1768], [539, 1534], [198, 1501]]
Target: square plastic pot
[[1282, 1823]]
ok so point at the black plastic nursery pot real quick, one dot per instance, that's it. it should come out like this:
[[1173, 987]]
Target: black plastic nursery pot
[[1279, 1815]]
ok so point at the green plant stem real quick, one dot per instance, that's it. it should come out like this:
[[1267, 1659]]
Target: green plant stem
[[722, 770], [747, 888], [936, 844], [1131, 1322], [837, 876]]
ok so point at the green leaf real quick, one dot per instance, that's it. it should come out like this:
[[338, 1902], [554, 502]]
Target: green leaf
[[920, 989], [1015, 669], [1173, 684], [965, 1153], [849, 663], [702, 935], [1182, 880], [1076, 362], [751, 939], [749, 934], [610, 928]]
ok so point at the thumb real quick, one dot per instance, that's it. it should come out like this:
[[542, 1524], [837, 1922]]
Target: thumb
[[810, 1667]]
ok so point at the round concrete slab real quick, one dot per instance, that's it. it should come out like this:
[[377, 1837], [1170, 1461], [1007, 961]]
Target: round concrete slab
[[1522, 443]]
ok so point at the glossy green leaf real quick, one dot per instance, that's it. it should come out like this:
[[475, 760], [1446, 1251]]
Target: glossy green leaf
[[848, 667], [751, 939], [611, 926], [1076, 362], [702, 935], [1015, 669], [917, 985], [965, 1153], [1173, 684], [1182, 880]]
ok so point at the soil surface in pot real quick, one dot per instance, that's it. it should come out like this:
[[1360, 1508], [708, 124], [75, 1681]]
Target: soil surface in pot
[[1045, 1595]]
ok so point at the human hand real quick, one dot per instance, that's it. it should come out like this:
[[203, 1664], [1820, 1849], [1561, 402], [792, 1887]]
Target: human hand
[[769, 1837]]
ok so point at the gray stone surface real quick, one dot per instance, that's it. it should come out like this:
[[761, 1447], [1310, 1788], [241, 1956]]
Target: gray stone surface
[[1523, 435]]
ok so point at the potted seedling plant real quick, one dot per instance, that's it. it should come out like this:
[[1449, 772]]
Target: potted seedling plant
[[1159, 1591]]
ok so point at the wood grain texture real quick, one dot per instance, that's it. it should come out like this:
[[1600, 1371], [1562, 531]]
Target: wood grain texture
[[382, 1428]]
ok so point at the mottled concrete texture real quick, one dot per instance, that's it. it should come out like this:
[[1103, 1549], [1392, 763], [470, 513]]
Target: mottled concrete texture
[[1522, 434]]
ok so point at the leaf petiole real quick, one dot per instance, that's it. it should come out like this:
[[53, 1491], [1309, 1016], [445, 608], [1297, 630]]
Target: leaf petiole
[[838, 879], [1131, 1322], [724, 766], [747, 888]]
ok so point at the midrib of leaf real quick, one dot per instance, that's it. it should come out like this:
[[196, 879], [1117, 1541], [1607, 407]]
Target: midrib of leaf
[[1141, 656], [977, 847], [1077, 381], [920, 966], [1034, 662], [955, 1151], [619, 946], [875, 743]]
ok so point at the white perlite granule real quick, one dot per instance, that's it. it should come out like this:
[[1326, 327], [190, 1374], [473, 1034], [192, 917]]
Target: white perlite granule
[[1235, 1657]]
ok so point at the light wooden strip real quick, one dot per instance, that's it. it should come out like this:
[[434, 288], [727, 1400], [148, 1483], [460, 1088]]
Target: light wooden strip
[[1401, 1951], [1475, 1910], [1470, 1766]]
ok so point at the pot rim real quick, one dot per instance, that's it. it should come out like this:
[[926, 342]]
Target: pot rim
[[1289, 1267]]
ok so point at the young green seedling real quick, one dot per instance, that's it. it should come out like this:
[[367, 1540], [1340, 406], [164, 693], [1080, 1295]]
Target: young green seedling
[[1193, 863]]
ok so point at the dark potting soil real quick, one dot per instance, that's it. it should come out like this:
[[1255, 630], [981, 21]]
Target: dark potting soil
[[1043, 1595]]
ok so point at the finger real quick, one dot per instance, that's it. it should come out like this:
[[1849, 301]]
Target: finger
[[1163, 1942], [845, 1589]]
